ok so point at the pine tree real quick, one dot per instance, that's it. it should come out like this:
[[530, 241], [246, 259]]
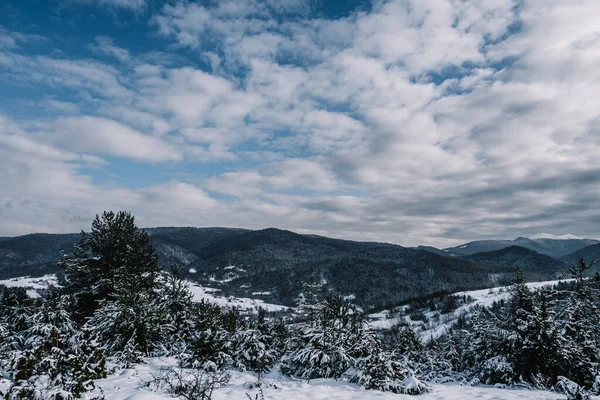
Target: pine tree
[[580, 337], [379, 372], [130, 315], [524, 320], [251, 350], [329, 344], [175, 309], [208, 341], [53, 360], [115, 256]]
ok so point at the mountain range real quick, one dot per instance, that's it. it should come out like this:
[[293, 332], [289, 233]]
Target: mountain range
[[273, 264], [556, 248]]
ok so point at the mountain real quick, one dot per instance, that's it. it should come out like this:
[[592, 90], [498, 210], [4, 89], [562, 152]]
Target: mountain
[[556, 248], [589, 253], [35, 254], [377, 274], [275, 262], [435, 250], [532, 263]]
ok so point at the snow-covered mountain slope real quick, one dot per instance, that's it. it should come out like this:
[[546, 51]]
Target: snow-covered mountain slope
[[435, 323], [33, 285], [566, 236], [245, 304], [129, 385]]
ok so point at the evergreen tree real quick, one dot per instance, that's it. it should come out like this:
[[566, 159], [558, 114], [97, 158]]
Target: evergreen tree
[[524, 320], [114, 257], [329, 343], [175, 309], [251, 350], [208, 341], [55, 358]]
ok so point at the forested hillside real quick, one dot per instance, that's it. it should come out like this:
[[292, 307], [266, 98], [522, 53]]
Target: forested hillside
[[275, 263]]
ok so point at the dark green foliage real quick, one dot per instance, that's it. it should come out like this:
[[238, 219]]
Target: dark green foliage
[[114, 258], [208, 341], [329, 343], [55, 349]]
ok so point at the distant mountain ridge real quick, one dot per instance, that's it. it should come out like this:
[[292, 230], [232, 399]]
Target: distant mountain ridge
[[589, 253], [555, 248], [275, 262], [523, 258]]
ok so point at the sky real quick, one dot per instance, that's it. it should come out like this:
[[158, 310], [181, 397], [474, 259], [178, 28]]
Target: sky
[[429, 122]]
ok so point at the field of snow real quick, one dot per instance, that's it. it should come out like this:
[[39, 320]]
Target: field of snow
[[129, 385], [31, 284], [211, 295], [438, 324], [199, 292]]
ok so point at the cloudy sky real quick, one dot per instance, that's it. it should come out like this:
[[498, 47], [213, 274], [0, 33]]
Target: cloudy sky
[[408, 121]]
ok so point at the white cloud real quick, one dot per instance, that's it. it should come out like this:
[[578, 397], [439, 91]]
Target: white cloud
[[122, 4], [105, 45], [107, 137], [438, 120]]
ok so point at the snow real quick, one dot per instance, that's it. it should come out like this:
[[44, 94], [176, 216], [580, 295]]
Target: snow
[[433, 329], [210, 294], [555, 237], [199, 293], [486, 297], [31, 284], [128, 385], [193, 270]]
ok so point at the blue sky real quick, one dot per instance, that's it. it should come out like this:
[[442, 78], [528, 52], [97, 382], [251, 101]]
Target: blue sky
[[408, 121]]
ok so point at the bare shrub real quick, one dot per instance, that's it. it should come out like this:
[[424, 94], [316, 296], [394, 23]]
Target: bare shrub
[[190, 384]]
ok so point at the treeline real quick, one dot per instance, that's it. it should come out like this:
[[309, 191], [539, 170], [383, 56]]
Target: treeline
[[116, 307]]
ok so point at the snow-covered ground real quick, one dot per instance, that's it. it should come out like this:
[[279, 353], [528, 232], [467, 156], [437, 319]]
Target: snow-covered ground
[[31, 284], [438, 324], [129, 385], [211, 295]]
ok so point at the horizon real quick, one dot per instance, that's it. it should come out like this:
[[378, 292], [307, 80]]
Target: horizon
[[431, 123], [533, 237]]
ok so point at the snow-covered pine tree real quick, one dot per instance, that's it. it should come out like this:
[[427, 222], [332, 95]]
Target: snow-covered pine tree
[[175, 302], [131, 354], [52, 359], [328, 344], [404, 343], [525, 322], [207, 341], [486, 346], [251, 350], [130, 315], [379, 372], [579, 337]]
